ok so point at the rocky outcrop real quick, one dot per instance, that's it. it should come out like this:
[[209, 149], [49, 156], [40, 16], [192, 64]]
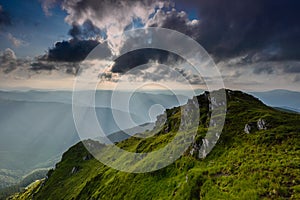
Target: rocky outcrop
[[74, 170], [247, 128], [261, 124], [195, 148], [87, 157]]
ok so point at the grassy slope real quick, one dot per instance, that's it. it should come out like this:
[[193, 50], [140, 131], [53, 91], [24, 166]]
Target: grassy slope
[[261, 165], [27, 180]]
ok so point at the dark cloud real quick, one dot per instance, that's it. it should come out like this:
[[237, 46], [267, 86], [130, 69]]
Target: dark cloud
[[75, 31], [263, 69], [5, 18], [42, 66], [276, 67], [256, 30], [190, 77], [153, 71], [174, 20], [75, 50], [67, 67], [9, 63], [84, 40], [139, 57], [231, 28], [292, 68]]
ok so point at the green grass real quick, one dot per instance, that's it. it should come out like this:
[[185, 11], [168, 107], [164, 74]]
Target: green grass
[[261, 165]]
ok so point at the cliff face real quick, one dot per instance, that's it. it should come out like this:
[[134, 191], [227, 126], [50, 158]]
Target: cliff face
[[256, 156]]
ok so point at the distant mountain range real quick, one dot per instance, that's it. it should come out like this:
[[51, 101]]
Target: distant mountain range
[[280, 98]]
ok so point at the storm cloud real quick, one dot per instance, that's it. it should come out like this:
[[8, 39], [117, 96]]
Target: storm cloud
[[139, 57], [71, 51], [76, 50], [67, 55], [266, 29], [258, 34], [259, 30]]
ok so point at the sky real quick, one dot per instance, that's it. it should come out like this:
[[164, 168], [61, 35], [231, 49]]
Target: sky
[[254, 43]]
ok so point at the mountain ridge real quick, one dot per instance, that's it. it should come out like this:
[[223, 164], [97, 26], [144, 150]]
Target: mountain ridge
[[258, 164]]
